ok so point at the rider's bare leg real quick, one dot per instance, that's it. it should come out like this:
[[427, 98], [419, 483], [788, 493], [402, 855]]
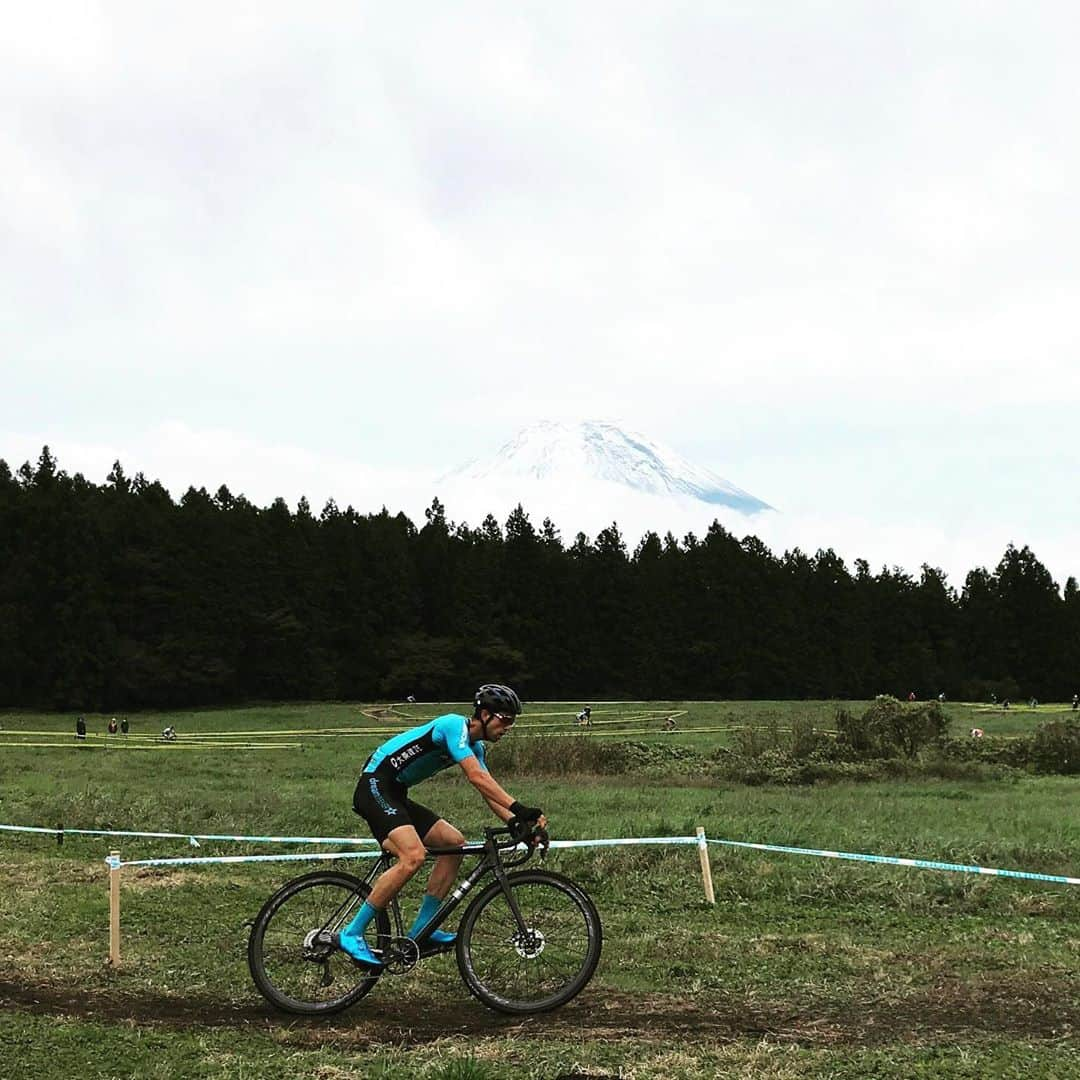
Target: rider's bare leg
[[405, 845], [443, 834]]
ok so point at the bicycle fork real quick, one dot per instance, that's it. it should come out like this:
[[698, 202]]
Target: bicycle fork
[[504, 883]]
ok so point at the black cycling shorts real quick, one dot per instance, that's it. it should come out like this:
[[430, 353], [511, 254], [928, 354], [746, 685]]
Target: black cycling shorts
[[385, 806]]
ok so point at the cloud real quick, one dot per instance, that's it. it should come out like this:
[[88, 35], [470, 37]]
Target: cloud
[[791, 245]]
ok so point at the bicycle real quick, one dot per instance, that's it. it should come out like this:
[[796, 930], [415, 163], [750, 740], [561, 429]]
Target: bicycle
[[528, 942]]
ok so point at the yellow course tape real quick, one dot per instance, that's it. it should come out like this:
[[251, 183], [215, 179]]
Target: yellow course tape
[[271, 739]]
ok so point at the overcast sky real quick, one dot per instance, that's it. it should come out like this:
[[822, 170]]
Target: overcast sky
[[828, 250]]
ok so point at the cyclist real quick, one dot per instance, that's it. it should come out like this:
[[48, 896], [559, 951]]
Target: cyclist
[[403, 826]]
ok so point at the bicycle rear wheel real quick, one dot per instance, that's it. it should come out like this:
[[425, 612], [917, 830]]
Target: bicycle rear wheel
[[542, 967], [290, 958]]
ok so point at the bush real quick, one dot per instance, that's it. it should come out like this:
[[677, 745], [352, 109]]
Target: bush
[[781, 767], [801, 741], [559, 757], [890, 728], [1055, 747], [890, 740], [992, 750]]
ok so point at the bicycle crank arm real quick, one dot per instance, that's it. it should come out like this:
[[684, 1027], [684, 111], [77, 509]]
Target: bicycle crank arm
[[400, 955]]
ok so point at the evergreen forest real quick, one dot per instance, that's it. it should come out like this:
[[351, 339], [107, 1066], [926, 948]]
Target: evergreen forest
[[116, 596]]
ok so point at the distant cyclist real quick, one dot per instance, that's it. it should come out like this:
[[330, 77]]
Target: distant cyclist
[[584, 718], [403, 826]]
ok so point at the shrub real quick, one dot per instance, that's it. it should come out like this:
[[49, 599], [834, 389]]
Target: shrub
[[1055, 747], [800, 742], [992, 750], [890, 728], [782, 767], [559, 757]]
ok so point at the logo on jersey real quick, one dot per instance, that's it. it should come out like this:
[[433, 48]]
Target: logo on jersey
[[406, 755]]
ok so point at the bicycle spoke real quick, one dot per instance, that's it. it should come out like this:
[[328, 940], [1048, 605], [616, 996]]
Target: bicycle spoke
[[558, 972], [295, 964], [526, 967]]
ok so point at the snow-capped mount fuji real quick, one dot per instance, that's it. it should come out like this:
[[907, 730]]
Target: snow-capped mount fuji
[[587, 474], [602, 451]]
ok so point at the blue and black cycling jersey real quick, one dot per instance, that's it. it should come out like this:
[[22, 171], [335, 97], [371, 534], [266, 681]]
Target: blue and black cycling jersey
[[422, 751]]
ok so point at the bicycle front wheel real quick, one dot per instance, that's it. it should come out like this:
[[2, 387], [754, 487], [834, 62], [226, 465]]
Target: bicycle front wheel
[[290, 957], [540, 966]]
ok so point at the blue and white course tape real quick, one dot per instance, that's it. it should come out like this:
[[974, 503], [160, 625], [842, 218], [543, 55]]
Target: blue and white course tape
[[699, 840], [115, 863], [892, 860], [61, 831]]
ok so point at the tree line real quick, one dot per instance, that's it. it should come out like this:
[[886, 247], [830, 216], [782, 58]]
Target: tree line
[[116, 596]]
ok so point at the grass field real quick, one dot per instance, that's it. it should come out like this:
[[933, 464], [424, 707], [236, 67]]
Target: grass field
[[804, 968]]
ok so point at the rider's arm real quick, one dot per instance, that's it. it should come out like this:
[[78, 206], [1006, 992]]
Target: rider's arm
[[502, 804], [500, 812], [496, 797]]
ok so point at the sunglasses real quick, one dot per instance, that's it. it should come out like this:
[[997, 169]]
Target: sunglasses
[[503, 717]]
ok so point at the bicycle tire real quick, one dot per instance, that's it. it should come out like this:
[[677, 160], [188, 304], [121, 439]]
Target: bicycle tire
[[556, 911], [341, 893]]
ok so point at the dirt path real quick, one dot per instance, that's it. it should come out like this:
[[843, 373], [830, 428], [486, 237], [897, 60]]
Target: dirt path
[[952, 1009]]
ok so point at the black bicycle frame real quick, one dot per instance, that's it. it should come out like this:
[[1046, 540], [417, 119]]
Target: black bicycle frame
[[490, 862]]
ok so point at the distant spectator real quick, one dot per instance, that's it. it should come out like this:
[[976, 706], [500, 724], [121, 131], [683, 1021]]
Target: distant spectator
[[976, 732], [80, 728], [993, 698], [941, 696], [1005, 703], [1034, 703], [124, 725], [1076, 702], [911, 696], [113, 728], [169, 734]]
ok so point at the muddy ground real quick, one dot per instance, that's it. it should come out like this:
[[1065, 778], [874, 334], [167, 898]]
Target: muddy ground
[[952, 1009]]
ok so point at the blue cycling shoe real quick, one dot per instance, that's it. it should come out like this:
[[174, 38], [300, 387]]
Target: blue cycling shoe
[[358, 949], [439, 941]]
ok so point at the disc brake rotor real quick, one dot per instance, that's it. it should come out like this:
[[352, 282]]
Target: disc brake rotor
[[528, 945]]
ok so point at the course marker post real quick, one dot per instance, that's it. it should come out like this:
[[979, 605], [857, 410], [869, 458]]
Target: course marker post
[[706, 869], [114, 908]]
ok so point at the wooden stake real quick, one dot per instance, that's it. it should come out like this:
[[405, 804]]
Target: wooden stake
[[706, 869], [114, 908]]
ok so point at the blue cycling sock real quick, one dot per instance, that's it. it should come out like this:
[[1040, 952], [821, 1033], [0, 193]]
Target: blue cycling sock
[[426, 913], [360, 923], [428, 908]]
